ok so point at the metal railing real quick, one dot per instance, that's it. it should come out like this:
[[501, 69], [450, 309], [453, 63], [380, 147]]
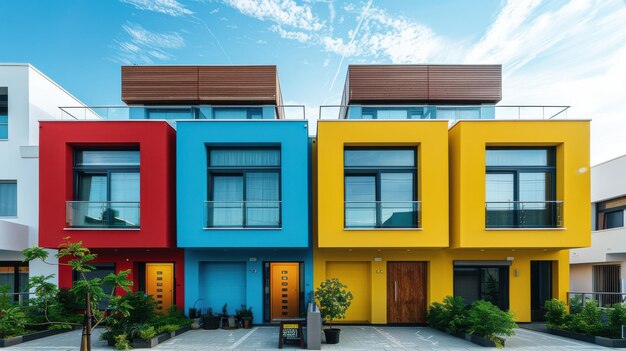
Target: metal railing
[[102, 214], [576, 300], [524, 214], [184, 112], [382, 214], [242, 214], [446, 112]]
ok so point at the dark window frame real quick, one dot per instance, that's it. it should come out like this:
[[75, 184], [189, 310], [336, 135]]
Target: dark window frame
[[504, 272], [550, 169], [105, 170], [604, 211], [376, 172], [16, 276], [213, 171], [4, 105]]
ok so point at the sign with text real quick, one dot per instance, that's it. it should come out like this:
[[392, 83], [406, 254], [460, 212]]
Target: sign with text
[[290, 332]]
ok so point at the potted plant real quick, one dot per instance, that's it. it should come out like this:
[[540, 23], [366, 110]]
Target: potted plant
[[210, 321], [195, 315], [334, 299], [245, 315], [231, 318]]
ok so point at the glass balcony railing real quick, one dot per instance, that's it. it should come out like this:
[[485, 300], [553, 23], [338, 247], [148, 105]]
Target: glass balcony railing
[[217, 112], [445, 112], [242, 214], [382, 214], [524, 214], [104, 214]]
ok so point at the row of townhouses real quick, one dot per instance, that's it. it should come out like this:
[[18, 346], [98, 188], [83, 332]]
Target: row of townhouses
[[212, 191]]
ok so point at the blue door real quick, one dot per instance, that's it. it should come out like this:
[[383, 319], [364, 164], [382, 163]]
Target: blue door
[[223, 283]]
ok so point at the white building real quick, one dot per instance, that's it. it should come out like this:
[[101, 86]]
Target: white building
[[26, 96], [602, 267]]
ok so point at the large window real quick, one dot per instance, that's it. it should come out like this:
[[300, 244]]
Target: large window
[[244, 187], [489, 283], [610, 213], [4, 113], [8, 198], [101, 270], [106, 190], [520, 188], [380, 188], [14, 274]]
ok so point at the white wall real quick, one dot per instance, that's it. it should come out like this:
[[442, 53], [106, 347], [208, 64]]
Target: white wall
[[32, 97], [608, 179]]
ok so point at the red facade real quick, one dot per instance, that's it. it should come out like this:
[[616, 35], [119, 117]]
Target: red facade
[[156, 141], [154, 242]]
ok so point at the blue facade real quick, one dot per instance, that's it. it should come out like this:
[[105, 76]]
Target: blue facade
[[230, 264]]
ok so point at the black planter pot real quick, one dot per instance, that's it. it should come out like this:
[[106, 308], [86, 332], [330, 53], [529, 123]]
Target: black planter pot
[[332, 335], [210, 323]]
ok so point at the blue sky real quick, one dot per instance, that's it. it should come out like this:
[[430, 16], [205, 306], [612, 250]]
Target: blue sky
[[553, 52]]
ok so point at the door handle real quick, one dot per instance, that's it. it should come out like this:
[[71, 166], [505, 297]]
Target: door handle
[[395, 290]]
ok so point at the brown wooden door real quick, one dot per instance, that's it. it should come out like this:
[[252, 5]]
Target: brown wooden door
[[285, 290], [406, 292], [160, 284]]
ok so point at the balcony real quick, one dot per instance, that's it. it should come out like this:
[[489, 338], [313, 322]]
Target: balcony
[[202, 112], [242, 214], [445, 112], [382, 214], [102, 214], [524, 214]]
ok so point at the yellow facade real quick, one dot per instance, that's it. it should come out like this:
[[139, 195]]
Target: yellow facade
[[360, 257], [468, 141], [430, 140]]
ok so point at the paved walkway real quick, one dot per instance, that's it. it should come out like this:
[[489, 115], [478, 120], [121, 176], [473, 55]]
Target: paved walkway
[[364, 338]]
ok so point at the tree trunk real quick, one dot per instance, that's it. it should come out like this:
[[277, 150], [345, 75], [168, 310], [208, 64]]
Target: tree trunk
[[85, 342]]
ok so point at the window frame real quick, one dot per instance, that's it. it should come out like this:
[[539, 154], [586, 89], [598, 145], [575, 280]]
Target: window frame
[[7, 114], [505, 275], [213, 171], [376, 172], [607, 210], [550, 168], [106, 170], [248, 111], [16, 276], [11, 181]]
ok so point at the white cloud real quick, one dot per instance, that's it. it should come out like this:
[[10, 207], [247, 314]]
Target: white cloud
[[293, 35], [214, 11], [168, 7], [282, 12], [144, 46]]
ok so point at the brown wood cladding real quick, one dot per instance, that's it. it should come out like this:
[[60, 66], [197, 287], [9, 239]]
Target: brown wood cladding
[[200, 84], [423, 83]]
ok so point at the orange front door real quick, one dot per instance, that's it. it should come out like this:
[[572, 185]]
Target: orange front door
[[285, 290], [160, 284]]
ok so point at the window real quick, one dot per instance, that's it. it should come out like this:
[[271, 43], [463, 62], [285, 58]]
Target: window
[[489, 283], [380, 188], [238, 113], [610, 214], [106, 190], [8, 198], [4, 113], [607, 279], [244, 187], [14, 274], [101, 270], [520, 188]]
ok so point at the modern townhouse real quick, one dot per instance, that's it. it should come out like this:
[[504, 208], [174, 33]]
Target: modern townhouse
[[26, 95], [599, 269], [242, 186], [110, 184], [409, 210]]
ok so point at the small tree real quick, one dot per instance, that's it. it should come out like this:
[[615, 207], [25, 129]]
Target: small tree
[[488, 321], [78, 258], [333, 299]]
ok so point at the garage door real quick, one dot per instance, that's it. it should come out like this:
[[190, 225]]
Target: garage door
[[356, 275], [223, 283]]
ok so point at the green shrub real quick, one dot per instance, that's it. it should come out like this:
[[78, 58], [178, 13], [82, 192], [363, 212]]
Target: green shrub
[[167, 328], [333, 299], [12, 320], [449, 316], [143, 307], [490, 322], [617, 318], [588, 321], [575, 304], [556, 314], [147, 333], [121, 342]]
